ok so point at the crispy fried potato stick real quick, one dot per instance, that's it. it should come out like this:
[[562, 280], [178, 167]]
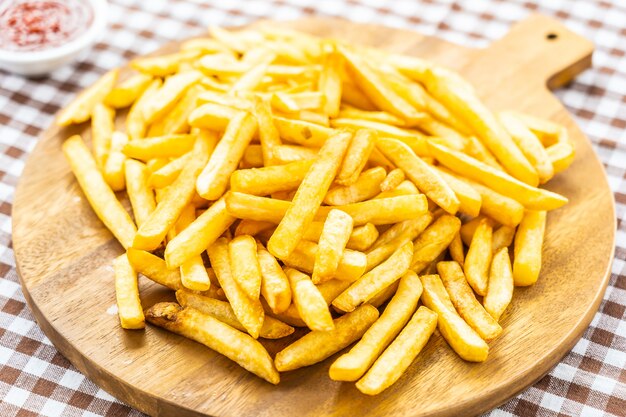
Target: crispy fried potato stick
[[318, 345], [268, 180], [433, 241], [176, 121], [127, 295], [98, 193], [154, 268], [365, 187], [302, 133], [500, 289], [275, 286], [406, 187], [502, 238], [332, 242], [456, 250], [244, 265], [222, 338], [252, 227], [165, 97], [113, 169], [102, 126], [81, 108], [283, 154], [392, 180], [351, 265], [469, 199], [128, 91], [527, 248], [163, 65], [561, 156], [353, 365], [166, 175], [193, 274], [212, 116], [309, 302], [330, 81], [136, 124], [356, 157], [478, 259], [140, 195], [167, 146], [349, 112], [268, 134]]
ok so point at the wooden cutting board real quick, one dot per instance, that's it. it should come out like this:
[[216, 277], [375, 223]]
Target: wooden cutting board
[[64, 259]]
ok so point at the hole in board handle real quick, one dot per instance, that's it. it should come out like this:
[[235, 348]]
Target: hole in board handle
[[552, 36]]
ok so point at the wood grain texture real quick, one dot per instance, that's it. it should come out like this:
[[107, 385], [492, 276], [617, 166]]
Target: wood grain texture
[[64, 257]]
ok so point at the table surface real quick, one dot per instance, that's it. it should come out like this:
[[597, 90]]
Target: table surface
[[591, 380]]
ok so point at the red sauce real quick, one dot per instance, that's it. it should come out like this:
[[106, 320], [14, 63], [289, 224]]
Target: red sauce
[[34, 25]]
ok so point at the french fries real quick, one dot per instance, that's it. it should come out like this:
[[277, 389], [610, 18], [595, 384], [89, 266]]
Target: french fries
[[315, 174]]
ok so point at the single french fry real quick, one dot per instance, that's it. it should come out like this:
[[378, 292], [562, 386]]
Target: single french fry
[[529, 144], [502, 238], [366, 186], [275, 286], [249, 312], [351, 265], [386, 210], [167, 146], [392, 180], [353, 365], [532, 198], [214, 178], [464, 102], [478, 258], [406, 187], [163, 65], [252, 227], [268, 180], [283, 154], [330, 82], [178, 195], [390, 366], [166, 96], [139, 193], [168, 173], [527, 248], [470, 200], [309, 196], [102, 126], [252, 157], [561, 156], [176, 120], [154, 268], [376, 280], [81, 108], [127, 295], [199, 235], [193, 274], [318, 345], [244, 265], [128, 91], [100, 196], [423, 176], [459, 335], [222, 338], [302, 133], [332, 242], [212, 116], [113, 169], [456, 250], [221, 310], [309, 302], [465, 302], [136, 124], [500, 289], [433, 241], [247, 206], [362, 237], [268, 134], [356, 157], [547, 131]]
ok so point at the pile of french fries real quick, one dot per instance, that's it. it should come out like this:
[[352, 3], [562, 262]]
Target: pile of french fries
[[279, 180]]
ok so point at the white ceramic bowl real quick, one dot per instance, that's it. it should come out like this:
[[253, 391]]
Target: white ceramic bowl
[[37, 63]]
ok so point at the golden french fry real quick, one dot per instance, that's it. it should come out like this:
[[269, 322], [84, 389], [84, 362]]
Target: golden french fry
[[464, 102], [332, 242], [527, 248], [386, 210], [168, 173], [268, 134], [163, 65], [446, 135], [167, 146], [532, 198], [529, 144], [275, 286], [433, 241], [283, 154], [352, 365], [154, 268], [362, 237], [366, 186], [477, 150], [318, 345], [252, 157], [330, 82], [463, 299], [459, 335], [193, 274], [561, 156], [468, 228], [309, 196], [139, 193], [212, 116], [423, 176], [205, 230], [406, 187], [548, 132], [244, 265], [98, 193], [470, 200], [81, 108], [376, 280], [178, 195], [502, 238], [113, 169], [456, 250], [128, 91], [478, 259], [135, 122], [102, 126], [222, 338], [302, 133], [252, 78], [500, 289], [221, 310], [268, 180], [309, 302], [349, 112], [356, 157], [166, 96], [351, 265], [247, 206], [252, 227], [249, 312], [392, 180], [390, 366], [176, 120], [213, 180], [127, 295], [353, 96]]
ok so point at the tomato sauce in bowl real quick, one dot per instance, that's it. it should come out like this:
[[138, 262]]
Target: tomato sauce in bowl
[[36, 25]]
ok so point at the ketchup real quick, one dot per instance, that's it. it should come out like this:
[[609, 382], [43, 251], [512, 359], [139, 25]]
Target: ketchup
[[34, 25]]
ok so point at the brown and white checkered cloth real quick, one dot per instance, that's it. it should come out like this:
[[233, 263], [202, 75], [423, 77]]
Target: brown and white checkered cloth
[[590, 381]]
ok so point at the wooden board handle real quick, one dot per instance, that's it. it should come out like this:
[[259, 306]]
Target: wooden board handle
[[544, 48]]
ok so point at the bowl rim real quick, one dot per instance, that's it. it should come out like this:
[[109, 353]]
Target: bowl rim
[[99, 23]]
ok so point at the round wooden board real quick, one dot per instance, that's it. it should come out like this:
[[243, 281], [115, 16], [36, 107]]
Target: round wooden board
[[64, 259]]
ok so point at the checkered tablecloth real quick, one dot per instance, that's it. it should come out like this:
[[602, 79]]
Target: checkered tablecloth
[[591, 380]]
